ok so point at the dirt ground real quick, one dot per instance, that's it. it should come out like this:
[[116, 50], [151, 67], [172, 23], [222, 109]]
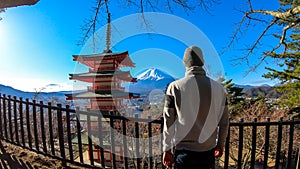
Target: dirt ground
[[14, 157]]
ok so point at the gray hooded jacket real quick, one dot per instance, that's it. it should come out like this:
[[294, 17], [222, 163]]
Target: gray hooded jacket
[[195, 113]]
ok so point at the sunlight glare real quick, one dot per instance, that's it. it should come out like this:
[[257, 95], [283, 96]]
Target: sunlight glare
[[2, 37]]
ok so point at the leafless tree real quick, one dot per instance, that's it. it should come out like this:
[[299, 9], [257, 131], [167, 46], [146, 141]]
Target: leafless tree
[[101, 9], [286, 18]]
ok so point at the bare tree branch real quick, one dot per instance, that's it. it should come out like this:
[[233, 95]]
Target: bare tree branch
[[183, 4], [250, 5], [284, 19], [287, 28], [91, 24], [235, 35], [259, 38], [142, 5], [153, 8], [169, 6], [281, 15]]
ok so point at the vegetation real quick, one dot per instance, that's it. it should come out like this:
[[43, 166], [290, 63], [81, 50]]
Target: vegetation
[[289, 75], [235, 98], [285, 52], [259, 111]]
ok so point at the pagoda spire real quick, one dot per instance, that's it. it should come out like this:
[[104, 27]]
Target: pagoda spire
[[108, 30]]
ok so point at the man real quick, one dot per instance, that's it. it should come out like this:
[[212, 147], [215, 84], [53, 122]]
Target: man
[[195, 117]]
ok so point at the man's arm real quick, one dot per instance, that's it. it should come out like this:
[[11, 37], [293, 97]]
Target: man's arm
[[169, 115], [222, 133]]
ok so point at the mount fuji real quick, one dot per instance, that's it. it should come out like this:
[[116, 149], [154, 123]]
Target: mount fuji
[[150, 79]]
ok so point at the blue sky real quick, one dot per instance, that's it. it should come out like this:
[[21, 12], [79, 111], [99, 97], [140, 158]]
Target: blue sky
[[37, 42]]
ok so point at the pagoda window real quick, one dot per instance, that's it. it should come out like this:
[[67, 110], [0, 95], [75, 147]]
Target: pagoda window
[[105, 103], [106, 67], [102, 79], [103, 61]]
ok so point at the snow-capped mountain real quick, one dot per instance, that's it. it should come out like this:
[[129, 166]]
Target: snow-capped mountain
[[153, 74], [150, 80]]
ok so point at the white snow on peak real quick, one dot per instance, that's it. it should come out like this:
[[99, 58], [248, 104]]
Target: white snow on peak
[[152, 74]]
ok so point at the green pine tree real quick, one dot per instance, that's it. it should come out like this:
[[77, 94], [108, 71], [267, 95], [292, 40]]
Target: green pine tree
[[235, 97], [289, 73]]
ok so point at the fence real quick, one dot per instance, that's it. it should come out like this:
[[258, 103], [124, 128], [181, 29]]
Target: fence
[[90, 138]]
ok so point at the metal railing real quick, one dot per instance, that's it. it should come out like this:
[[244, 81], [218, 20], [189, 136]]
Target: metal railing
[[90, 138], [263, 144]]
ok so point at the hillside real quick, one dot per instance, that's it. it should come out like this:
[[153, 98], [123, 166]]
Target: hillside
[[7, 90], [267, 91]]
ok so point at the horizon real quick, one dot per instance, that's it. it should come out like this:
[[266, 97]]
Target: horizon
[[50, 87]]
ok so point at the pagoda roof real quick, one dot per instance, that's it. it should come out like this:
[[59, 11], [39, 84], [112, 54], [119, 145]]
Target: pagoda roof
[[101, 94], [104, 54], [94, 60], [90, 76]]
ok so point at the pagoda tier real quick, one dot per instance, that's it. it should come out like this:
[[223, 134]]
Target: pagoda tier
[[103, 76], [105, 61], [102, 94], [104, 100]]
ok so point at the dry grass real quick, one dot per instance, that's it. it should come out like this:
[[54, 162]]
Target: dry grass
[[15, 157]]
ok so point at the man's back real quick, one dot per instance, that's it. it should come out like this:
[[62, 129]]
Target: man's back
[[195, 113], [195, 94]]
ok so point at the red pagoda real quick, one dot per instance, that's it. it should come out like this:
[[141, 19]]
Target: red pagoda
[[105, 93], [105, 75]]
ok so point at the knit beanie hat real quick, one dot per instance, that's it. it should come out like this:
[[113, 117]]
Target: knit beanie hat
[[193, 57]]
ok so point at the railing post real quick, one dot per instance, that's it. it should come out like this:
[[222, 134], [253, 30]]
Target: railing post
[[21, 121], [112, 140], [267, 143], [279, 139], [10, 118], [291, 139], [28, 124], [1, 118], [253, 150], [60, 132], [298, 159], [150, 164], [137, 143], [35, 130], [51, 140], [161, 139], [69, 132], [42, 122], [100, 132], [79, 135], [241, 141], [16, 119], [90, 143], [125, 143], [4, 117], [226, 158]]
